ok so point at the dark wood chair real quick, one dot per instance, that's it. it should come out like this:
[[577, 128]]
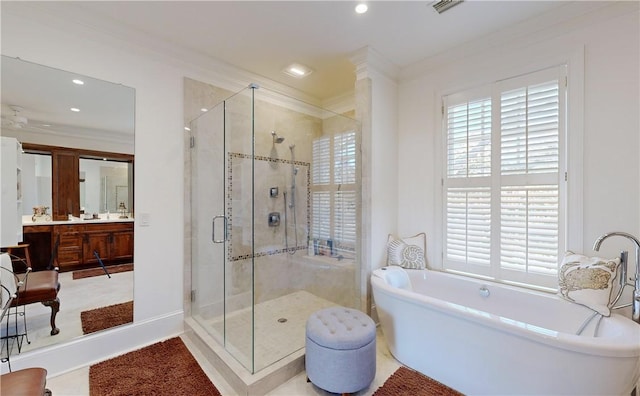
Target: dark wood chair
[[25, 382], [38, 286]]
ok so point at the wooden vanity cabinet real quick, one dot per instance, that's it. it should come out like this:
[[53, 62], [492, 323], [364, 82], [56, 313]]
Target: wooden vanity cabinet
[[70, 245], [40, 240], [113, 242], [122, 244], [77, 243]]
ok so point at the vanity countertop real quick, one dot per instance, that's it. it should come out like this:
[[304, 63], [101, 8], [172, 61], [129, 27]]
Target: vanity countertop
[[27, 223]]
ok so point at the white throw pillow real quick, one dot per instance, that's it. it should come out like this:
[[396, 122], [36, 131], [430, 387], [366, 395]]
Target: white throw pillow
[[588, 280], [407, 252]]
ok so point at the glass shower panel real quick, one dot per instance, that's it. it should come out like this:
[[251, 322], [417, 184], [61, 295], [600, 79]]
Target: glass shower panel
[[275, 220], [222, 183], [207, 202], [239, 314], [294, 142]]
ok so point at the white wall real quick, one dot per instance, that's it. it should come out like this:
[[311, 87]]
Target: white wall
[[47, 33], [158, 179], [607, 43]]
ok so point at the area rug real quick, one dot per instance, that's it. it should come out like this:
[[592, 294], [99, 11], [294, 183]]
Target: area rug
[[164, 368], [106, 317], [407, 382], [113, 269]]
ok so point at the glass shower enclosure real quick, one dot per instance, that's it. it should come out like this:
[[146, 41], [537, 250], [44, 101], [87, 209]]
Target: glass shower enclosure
[[275, 214]]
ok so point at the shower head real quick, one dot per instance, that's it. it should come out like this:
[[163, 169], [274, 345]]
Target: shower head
[[276, 138]]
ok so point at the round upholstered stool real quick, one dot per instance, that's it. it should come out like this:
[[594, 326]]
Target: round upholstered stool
[[340, 350]]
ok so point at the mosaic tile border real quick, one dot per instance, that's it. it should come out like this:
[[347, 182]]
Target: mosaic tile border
[[231, 156]]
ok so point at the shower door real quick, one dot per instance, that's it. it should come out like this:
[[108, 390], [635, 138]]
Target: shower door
[[222, 206]]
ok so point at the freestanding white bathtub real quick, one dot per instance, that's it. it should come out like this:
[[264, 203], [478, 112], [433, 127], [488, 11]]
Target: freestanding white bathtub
[[493, 339]]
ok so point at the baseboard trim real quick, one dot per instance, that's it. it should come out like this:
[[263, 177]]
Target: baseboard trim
[[89, 349]]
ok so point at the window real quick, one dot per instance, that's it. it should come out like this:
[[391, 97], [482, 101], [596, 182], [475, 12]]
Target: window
[[502, 193], [333, 190]]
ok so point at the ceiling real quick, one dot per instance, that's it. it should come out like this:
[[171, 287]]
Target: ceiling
[[46, 95], [262, 37]]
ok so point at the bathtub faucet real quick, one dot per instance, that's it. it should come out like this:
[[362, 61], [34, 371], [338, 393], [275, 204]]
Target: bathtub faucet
[[636, 286]]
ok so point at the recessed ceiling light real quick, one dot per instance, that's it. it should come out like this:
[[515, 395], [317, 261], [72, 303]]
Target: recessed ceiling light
[[361, 8], [297, 70], [204, 110], [187, 128], [75, 109], [78, 82]]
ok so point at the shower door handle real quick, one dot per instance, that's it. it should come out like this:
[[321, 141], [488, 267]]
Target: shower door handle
[[213, 229]]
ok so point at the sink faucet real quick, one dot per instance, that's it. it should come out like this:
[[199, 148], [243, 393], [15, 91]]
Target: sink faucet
[[636, 285]]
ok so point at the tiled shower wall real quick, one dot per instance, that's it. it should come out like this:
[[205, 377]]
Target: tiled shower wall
[[273, 266]]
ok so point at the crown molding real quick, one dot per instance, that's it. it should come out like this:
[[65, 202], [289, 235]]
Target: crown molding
[[367, 59], [71, 18], [340, 104], [571, 16]]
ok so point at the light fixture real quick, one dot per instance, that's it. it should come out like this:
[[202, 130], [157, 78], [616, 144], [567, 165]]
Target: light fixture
[[204, 110], [78, 82], [187, 128], [74, 109], [297, 70], [361, 8]]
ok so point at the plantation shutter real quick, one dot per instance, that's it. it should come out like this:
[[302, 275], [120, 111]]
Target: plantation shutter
[[345, 217], [529, 197], [469, 139], [321, 166], [469, 225], [321, 214], [502, 203], [333, 189], [344, 167], [467, 184]]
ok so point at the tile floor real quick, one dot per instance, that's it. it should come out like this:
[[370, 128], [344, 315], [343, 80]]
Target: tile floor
[[118, 289], [76, 383], [273, 338]]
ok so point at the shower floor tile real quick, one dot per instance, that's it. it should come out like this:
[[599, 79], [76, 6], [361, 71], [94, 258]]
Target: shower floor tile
[[279, 328]]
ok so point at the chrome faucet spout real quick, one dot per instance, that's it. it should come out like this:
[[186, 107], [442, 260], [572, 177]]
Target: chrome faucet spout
[[636, 285]]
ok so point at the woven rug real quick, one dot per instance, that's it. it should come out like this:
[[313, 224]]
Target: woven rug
[[113, 269], [106, 317], [164, 368], [407, 382]]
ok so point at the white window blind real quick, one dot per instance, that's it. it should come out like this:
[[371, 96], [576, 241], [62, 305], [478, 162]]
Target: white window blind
[[469, 139], [529, 129], [320, 212], [345, 217], [321, 167], [333, 196], [529, 228], [468, 225], [501, 185], [344, 158]]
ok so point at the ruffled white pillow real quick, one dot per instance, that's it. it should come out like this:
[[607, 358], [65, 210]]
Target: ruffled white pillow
[[588, 280], [407, 252]]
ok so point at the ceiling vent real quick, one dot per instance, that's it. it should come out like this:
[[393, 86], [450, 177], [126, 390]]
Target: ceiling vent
[[443, 5]]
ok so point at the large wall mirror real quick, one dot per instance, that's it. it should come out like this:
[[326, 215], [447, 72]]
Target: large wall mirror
[[77, 136]]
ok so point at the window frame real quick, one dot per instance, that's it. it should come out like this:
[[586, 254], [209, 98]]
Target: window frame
[[569, 157], [334, 189]]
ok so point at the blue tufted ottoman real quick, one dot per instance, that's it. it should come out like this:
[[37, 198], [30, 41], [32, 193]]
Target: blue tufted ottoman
[[340, 349]]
